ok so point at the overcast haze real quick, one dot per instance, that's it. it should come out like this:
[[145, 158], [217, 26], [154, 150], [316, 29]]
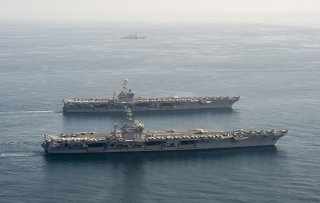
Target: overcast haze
[[207, 11]]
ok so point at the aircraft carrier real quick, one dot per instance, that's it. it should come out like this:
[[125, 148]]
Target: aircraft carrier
[[126, 99], [131, 137]]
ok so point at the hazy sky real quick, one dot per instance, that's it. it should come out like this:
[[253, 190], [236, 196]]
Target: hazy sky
[[215, 11]]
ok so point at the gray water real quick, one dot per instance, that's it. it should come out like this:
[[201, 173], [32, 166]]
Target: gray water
[[275, 70]]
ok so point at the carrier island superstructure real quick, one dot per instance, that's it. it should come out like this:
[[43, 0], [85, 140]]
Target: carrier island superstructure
[[132, 137], [126, 99]]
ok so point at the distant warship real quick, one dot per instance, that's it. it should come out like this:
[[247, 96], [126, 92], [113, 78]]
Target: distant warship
[[132, 138], [133, 36], [125, 99]]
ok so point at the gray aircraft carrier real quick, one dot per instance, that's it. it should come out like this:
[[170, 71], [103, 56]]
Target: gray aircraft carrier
[[126, 99], [131, 137]]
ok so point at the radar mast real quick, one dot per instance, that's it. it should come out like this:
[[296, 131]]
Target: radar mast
[[125, 85]]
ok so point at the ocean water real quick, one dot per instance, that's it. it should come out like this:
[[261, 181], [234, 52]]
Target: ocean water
[[275, 70]]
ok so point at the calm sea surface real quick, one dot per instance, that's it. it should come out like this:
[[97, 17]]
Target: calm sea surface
[[275, 70]]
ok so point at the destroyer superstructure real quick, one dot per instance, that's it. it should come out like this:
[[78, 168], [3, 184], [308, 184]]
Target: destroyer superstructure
[[131, 137], [126, 99]]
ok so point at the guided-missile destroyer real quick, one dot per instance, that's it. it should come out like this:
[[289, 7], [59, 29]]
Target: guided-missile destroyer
[[132, 137], [126, 99]]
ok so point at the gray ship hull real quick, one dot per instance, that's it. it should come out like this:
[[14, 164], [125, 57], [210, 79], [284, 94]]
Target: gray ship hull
[[132, 138], [131, 146], [96, 107], [126, 99]]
